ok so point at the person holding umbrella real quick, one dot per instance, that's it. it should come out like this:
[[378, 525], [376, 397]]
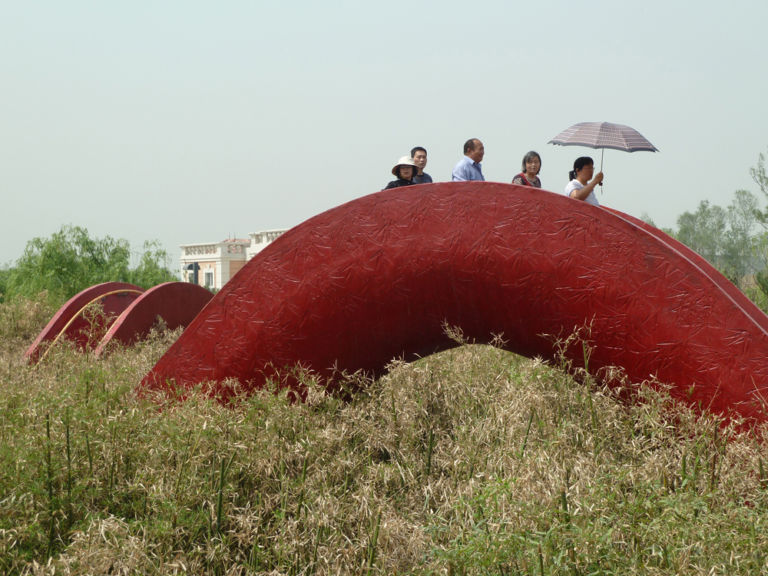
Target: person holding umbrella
[[583, 181], [598, 135]]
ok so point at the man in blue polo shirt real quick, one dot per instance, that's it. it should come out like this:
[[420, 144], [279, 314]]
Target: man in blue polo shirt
[[419, 156], [468, 168]]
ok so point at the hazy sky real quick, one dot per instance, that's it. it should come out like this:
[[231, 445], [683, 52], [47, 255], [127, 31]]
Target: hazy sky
[[190, 121]]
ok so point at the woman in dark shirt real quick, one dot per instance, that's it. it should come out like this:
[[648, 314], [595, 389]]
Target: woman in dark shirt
[[404, 170]]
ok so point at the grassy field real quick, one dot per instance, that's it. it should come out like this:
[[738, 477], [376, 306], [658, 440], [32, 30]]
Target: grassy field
[[472, 461]]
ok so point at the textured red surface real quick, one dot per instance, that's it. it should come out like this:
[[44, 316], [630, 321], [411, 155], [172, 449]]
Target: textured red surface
[[738, 297], [377, 278], [70, 322], [177, 303]]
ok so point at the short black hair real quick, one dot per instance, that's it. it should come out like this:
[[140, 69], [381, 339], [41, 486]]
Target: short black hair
[[470, 145], [578, 164], [417, 149]]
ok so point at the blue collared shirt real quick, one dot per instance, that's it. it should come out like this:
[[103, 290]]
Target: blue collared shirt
[[467, 169]]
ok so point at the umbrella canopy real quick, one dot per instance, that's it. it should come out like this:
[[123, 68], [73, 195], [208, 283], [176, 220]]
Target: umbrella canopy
[[604, 135]]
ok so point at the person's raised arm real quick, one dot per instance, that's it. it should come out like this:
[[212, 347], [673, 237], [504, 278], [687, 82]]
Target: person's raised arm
[[582, 193]]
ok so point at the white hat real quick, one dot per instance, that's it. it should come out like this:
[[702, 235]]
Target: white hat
[[404, 161]]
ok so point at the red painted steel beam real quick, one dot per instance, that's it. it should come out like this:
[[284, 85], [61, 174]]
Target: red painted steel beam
[[177, 303], [378, 277], [70, 321]]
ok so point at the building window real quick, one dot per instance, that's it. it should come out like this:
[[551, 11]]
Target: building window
[[209, 279], [191, 271]]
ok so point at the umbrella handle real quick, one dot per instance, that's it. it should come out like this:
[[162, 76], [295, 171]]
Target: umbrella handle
[[602, 151]]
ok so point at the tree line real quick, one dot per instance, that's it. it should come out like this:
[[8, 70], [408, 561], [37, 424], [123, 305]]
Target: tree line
[[71, 260], [734, 238]]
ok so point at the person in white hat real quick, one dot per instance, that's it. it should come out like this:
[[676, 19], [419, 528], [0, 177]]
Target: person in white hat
[[404, 170]]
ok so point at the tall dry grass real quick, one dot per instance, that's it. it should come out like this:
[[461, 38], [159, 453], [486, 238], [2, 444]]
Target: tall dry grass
[[472, 461]]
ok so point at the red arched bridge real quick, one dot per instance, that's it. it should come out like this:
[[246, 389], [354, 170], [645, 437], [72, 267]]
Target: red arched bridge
[[379, 278], [118, 312]]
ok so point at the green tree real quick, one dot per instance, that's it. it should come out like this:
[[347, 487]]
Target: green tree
[[70, 261], [153, 266], [4, 274], [704, 231], [724, 237], [740, 238], [759, 175], [645, 217]]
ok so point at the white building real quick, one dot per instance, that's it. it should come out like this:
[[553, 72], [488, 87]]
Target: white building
[[260, 240], [212, 264]]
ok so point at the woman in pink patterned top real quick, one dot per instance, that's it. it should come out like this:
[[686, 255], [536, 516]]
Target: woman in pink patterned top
[[531, 168]]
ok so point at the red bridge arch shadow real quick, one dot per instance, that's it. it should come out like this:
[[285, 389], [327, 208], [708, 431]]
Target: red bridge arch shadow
[[379, 277]]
